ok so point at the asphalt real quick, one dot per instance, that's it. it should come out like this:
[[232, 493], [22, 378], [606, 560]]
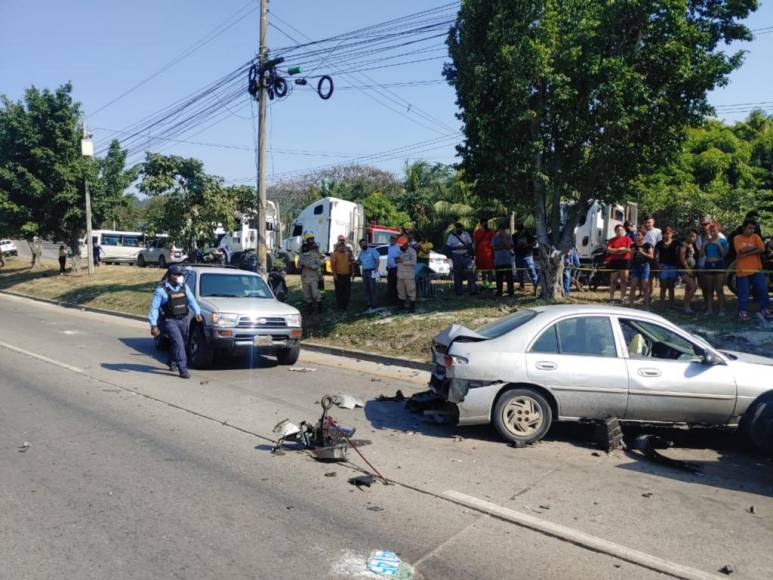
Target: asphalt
[[134, 473]]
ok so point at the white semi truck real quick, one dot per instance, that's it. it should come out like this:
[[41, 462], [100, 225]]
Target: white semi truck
[[246, 237], [598, 225]]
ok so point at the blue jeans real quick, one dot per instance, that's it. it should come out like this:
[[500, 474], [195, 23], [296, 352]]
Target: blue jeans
[[369, 283], [526, 263], [177, 330], [568, 274], [759, 283], [464, 269]]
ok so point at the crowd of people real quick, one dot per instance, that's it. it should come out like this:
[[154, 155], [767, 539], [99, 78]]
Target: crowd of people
[[637, 258]]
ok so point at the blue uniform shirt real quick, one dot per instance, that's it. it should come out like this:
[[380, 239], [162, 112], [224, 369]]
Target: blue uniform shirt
[[394, 251], [368, 259], [160, 298]]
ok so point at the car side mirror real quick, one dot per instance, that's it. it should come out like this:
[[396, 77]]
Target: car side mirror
[[708, 357]]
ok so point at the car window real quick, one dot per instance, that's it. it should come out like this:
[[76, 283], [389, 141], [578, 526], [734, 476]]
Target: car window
[[108, 240], [318, 209], [130, 241], [547, 343], [190, 282], [382, 250], [586, 335], [647, 340], [233, 286], [507, 324], [297, 230]]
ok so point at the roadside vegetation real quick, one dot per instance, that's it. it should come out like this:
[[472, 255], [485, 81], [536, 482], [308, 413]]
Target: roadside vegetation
[[388, 331]]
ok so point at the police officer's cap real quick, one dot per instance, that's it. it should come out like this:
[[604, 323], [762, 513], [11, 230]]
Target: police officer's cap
[[174, 270]]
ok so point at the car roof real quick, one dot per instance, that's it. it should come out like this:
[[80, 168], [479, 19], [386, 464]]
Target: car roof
[[208, 270], [557, 310]]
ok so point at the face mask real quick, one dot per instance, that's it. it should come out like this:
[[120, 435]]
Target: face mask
[[178, 280]]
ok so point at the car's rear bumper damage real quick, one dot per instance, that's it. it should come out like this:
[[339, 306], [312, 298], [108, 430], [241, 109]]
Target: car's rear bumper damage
[[472, 399]]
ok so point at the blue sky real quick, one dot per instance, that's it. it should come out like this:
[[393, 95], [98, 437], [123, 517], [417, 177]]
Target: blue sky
[[105, 47]]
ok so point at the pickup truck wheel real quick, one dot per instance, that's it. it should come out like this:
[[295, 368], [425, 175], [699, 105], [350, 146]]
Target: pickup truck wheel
[[288, 356], [141, 261], [522, 416], [201, 354], [757, 424], [162, 262]]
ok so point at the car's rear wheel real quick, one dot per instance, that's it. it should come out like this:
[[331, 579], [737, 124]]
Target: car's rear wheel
[[161, 262], [522, 416], [757, 423], [288, 356], [141, 261], [200, 352]]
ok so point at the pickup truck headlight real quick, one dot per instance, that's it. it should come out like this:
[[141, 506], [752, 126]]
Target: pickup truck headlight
[[293, 319], [224, 319]]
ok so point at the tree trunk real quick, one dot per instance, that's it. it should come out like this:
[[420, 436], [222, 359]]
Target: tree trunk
[[551, 272]]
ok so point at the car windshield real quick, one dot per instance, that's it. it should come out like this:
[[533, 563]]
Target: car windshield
[[506, 324], [233, 286]]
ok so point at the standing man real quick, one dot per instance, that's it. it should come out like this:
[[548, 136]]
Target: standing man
[[96, 251], [652, 236], [310, 262], [341, 265], [406, 274], [368, 261], [459, 244], [502, 246], [484, 254], [174, 298], [37, 250], [392, 253], [524, 244], [62, 259]]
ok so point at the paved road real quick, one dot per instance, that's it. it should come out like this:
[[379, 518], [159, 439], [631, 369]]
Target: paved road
[[134, 473]]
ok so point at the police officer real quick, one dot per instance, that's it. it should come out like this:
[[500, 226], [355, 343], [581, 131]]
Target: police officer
[[173, 298], [310, 263]]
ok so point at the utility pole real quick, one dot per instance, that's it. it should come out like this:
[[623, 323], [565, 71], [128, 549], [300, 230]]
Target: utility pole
[[261, 214], [87, 149]]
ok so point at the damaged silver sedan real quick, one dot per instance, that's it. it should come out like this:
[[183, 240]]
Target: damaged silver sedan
[[587, 362]]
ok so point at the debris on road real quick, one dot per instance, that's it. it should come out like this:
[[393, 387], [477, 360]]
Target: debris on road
[[751, 509], [327, 440], [398, 397], [424, 401], [203, 382], [458, 438], [347, 401], [301, 370], [596, 454], [331, 474], [361, 481], [647, 494], [609, 434], [375, 508], [24, 446], [389, 565], [727, 569], [647, 445]]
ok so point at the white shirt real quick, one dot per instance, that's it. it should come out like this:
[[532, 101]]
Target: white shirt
[[653, 236]]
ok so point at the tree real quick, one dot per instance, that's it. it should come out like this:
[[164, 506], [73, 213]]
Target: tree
[[194, 203], [113, 179], [571, 100], [383, 210]]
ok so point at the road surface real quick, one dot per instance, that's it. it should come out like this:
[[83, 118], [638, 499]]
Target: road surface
[[132, 472]]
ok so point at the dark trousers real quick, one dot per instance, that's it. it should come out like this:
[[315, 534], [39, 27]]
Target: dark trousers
[[392, 285], [505, 273], [343, 288], [369, 283], [525, 264], [464, 269], [62, 263], [177, 330]]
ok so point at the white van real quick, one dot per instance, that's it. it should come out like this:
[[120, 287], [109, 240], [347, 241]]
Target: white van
[[116, 247]]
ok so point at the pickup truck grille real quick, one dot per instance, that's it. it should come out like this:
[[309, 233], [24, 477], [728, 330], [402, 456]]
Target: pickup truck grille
[[262, 322]]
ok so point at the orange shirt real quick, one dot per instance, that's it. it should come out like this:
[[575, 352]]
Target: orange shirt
[[747, 265], [341, 262]]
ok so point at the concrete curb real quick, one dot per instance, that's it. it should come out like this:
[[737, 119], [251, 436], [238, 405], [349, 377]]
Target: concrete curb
[[309, 346]]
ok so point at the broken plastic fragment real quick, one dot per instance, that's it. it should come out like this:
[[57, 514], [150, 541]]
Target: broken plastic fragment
[[347, 401], [286, 429], [388, 564]]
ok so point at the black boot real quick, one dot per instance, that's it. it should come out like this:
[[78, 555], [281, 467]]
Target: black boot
[[412, 308], [319, 307]]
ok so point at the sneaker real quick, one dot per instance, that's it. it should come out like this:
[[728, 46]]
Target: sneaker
[[722, 314], [185, 375], [743, 316], [173, 368]]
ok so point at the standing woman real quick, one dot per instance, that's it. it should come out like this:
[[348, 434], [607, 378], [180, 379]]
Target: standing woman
[[618, 260], [687, 260], [667, 264], [643, 255], [484, 254], [713, 253]]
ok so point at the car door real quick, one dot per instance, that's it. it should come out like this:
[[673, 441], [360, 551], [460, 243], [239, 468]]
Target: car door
[[668, 381], [579, 360]]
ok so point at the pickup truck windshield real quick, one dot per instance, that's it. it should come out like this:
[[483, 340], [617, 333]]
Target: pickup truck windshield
[[233, 286]]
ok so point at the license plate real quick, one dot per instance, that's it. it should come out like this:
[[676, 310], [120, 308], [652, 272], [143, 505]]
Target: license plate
[[262, 340]]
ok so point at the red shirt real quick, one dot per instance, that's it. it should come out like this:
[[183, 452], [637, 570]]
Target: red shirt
[[619, 242]]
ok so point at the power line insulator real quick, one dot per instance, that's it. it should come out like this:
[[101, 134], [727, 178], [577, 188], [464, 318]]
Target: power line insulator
[[301, 82], [280, 87], [325, 94]]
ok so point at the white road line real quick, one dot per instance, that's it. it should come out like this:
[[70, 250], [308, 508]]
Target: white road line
[[41, 357], [579, 538]]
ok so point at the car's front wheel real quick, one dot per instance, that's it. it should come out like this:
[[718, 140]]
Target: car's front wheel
[[522, 416], [757, 423], [288, 356], [162, 262], [200, 352], [141, 261]]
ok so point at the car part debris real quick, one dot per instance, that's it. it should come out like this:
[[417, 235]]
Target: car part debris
[[375, 508], [609, 434], [424, 401], [727, 569], [389, 565], [398, 397], [647, 494], [285, 428], [363, 480], [751, 509], [331, 474], [647, 446], [301, 370], [24, 446], [347, 402]]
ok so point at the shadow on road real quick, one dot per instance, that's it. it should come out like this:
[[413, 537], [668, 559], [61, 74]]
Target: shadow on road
[[135, 368]]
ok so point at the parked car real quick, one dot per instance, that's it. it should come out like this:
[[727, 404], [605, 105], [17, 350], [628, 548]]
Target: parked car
[[240, 314], [8, 248], [574, 362], [160, 251], [439, 264]]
